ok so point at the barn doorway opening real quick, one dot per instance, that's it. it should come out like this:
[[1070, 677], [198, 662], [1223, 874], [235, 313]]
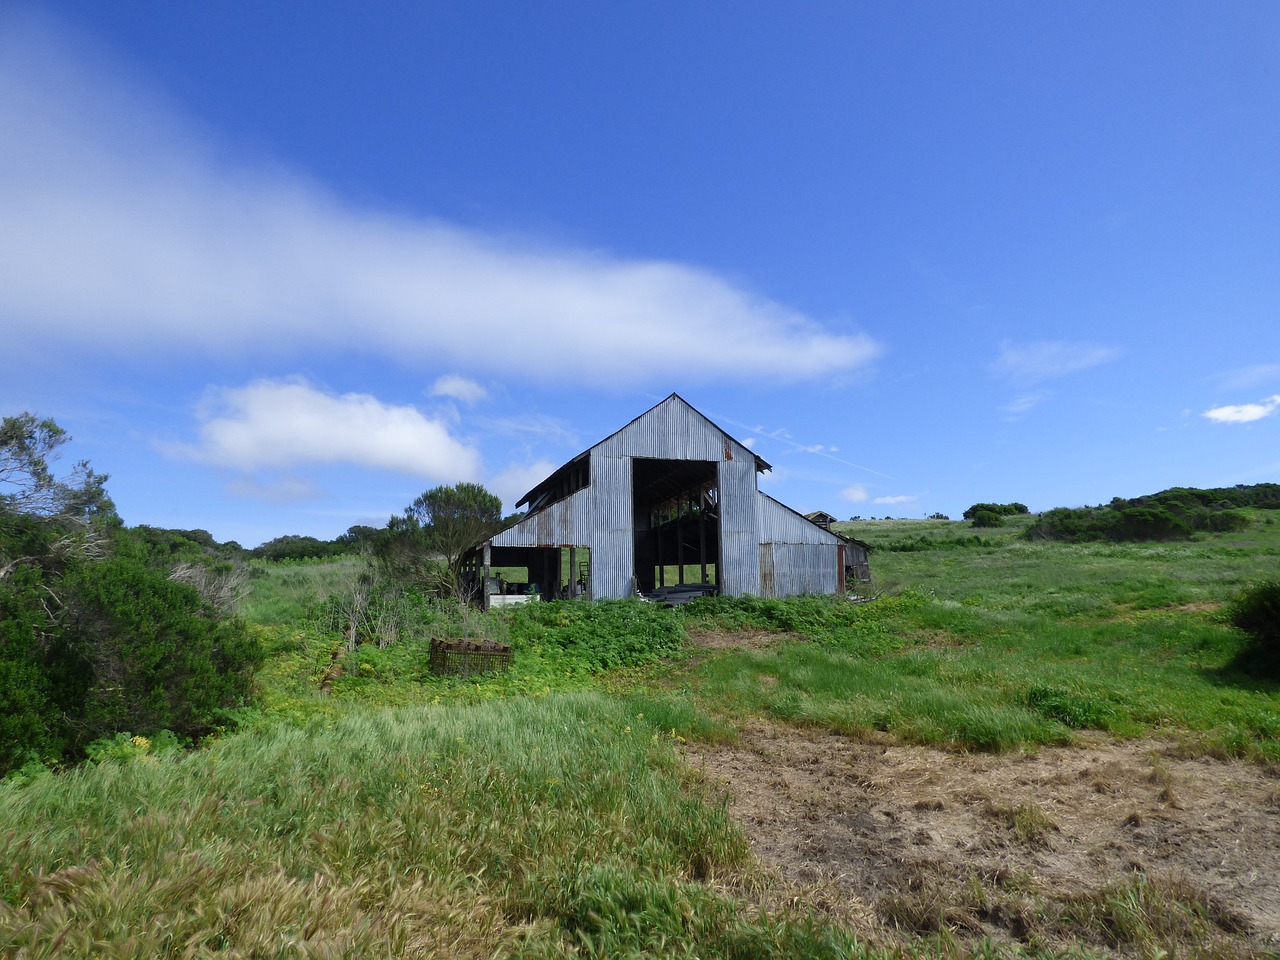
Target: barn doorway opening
[[676, 526]]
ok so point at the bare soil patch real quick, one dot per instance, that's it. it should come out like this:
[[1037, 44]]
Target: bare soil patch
[[1114, 846]]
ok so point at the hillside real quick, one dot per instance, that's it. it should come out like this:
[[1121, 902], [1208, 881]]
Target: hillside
[[1018, 746]]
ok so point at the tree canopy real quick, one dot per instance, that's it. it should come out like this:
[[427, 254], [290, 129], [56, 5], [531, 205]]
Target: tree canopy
[[426, 545]]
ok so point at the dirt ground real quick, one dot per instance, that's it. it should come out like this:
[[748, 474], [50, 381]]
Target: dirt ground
[[1114, 846]]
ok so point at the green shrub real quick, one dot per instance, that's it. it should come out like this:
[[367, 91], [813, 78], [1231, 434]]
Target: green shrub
[[29, 714], [601, 635], [987, 518], [999, 509], [109, 645], [1257, 612], [1150, 523], [1222, 521]]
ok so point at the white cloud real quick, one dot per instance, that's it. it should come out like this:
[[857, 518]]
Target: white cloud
[[857, 493], [1049, 359], [126, 228], [278, 425], [1245, 412], [515, 481], [1256, 375], [459, 388], [749, 443], [896, 500]]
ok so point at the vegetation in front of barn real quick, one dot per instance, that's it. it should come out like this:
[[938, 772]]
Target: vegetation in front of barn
[[545, 827], [542, 812]]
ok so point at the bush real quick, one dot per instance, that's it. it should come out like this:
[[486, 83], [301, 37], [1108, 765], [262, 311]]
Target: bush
[[987, 518], [155, 655], [1150, 523], [999, 509], [1257, 612], [101, 646]]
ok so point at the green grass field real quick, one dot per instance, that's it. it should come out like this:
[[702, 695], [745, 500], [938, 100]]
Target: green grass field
[[545, 812]]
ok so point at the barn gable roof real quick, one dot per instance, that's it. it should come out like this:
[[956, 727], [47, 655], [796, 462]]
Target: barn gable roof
[[562, 478]]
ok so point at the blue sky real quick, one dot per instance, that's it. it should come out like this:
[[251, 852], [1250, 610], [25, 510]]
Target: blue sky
[[278, 268]]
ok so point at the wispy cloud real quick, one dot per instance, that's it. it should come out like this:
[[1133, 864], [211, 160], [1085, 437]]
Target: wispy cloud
[[896, 500], [1041, 360], [784, 436], [1245, 412], [1254, 375], [458, 388], [279, 425], [857, 493], [126, 226], [1024, 404]]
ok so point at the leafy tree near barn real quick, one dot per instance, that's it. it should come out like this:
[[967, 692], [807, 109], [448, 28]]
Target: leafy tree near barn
[[425, 545], [96, 636]]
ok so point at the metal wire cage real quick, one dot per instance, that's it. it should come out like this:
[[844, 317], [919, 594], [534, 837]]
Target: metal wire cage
[[468, 656]]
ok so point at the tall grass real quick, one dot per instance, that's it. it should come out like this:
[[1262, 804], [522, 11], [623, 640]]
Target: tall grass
[[551, 827]]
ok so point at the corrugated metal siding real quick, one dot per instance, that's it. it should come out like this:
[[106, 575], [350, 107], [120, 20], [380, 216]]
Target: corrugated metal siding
[[803, 568], [779, 524], [804, 557], [768, 586], [612, 548], [672, 430], [765, 548], [739, 528], [565, 523]]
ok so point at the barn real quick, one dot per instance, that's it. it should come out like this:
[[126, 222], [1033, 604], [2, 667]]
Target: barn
[[668, 507]]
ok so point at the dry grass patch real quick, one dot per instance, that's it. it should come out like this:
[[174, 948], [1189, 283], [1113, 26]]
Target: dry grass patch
[[1062, 849]]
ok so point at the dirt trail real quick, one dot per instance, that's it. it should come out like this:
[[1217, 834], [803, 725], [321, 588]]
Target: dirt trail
[[1015, 847]]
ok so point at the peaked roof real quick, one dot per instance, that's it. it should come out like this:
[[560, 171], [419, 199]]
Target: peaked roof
[[761, 464]]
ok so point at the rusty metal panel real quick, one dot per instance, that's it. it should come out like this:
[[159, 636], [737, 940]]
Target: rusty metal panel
[[767, 571], [800, 568]]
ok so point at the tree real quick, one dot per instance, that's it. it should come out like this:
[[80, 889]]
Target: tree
[[28, 448], [426, 545]]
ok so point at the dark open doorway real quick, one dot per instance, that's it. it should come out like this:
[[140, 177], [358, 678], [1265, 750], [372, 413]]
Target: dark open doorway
[[676, 522]]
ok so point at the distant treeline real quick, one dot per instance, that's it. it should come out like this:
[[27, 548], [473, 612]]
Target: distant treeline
[[184, 544], [1173, 514]]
